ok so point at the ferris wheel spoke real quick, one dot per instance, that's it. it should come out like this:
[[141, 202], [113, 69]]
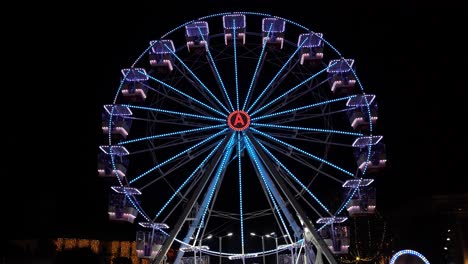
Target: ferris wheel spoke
[[303, 152], [180, 100], [241, 207], [303, 107], [198, 79], [215, 68], [309, 139], [235, 67], [178, 155], [267, 183], [276, 76], [184, 94], [300, 159], [173, 134], [189, 178], [308, 129], [294, 177], [175, 113], [260, 60], [215, 186], [293, 89], [294, 96], [177, 141]]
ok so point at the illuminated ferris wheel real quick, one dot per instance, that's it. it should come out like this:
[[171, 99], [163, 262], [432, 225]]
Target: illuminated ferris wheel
[[241, 123]]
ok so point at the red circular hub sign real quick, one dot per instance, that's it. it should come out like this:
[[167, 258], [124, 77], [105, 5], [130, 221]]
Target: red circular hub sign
[[238, 120]]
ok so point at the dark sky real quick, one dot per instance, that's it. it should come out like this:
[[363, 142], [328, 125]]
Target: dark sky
[[407, 53]]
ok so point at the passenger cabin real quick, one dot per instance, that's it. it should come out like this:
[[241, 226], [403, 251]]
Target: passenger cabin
[[197, 36], [311, 51], [341, 76], [107, 168], [273, 32], [150, 240], [117, 117], [234, 29], [374, 160], [161, 55], [336, 236], [121, 207], [134, 84], [362, 110], [363, 202]]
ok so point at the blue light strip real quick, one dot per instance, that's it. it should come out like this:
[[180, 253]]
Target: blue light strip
[[241, 210], [277, 74], [262, 172], [180, 154], [294, 177], [219, 171], [235, 64], [172, 134], [216, 69], [184, 94], [308, 129], [204, 203], [302, 151], [188, 179], [291, 90], [196, 78], [175, 113], [303, 107], [256, 68]]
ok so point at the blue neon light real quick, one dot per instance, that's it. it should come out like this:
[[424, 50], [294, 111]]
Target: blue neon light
[[235, 64], [241, 210], [178, 155], [220, 169], [276, 76], [302, 151], [303, 107], [199, 81], [175, 113], [216, 70], [294, 177], [186, 95], [188, 178], [308, 129], [256, 68], [262, 174], [172, 134], [290, 90]]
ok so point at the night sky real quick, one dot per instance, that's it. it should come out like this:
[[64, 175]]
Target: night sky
[[407, 54]]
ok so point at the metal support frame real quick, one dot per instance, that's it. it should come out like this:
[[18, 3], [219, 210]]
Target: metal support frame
[[276, 195], [196, 194], [317, 241], [205, 203]]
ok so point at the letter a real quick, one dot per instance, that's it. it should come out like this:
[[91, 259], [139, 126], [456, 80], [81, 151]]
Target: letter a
[[239, 120]]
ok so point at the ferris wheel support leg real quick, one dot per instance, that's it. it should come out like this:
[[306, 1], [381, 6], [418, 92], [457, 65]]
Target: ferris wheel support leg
[[318, 258], [210, 169], [317, 240], [276, 195], [198, 217]]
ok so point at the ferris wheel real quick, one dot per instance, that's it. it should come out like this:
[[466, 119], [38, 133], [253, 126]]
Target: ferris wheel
[[240, 123]]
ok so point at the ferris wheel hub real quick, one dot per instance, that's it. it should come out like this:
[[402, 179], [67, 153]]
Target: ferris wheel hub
[[238, 120]]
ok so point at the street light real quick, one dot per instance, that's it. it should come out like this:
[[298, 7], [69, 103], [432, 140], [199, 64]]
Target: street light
[[200, 247], [220, 244], [263, 244], [273, 235]]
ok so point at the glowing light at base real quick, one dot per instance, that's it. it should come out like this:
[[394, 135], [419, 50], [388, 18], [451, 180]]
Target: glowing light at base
[[408, 252]]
